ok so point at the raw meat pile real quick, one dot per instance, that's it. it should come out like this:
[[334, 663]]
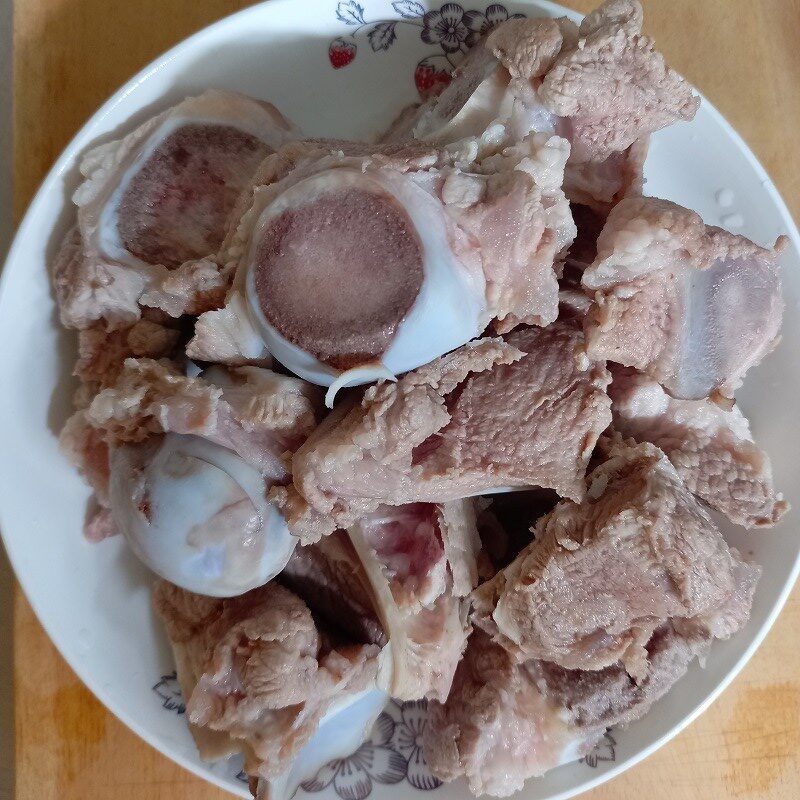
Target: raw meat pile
[[305, 363]]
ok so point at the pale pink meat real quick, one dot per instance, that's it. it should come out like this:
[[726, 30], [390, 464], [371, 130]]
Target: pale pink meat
[[256, 674], [603, 87], [445, 431], [254, 412], [154, 207], [484, 222], [505, 722], [102, 352], [496, 728], [602, 575], [691, 305], [614, 86], [710, 446]]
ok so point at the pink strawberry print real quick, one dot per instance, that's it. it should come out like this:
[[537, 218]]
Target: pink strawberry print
[[341, 52], [430, 78]]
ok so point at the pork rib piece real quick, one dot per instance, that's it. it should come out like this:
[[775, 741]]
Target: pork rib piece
[[711, 447], [420, 560], [256, 673], [154, 206], [493, 413], [411, 253], [604, 87], [505, 722], [602, 575], [185, 464], [692, 305]]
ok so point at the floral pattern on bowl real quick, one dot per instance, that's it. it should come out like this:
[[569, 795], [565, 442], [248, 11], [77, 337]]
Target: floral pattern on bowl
[[392, 754], [451, 27]]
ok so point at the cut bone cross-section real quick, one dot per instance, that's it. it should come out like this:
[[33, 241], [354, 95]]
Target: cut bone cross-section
[[154, 208], [337, 267], [691, 305], [355, 262]]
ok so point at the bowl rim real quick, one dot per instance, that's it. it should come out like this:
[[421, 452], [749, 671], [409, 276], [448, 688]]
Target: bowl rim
[[67, 159]]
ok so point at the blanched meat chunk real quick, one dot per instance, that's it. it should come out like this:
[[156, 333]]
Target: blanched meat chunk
[[505, 722], [103, 350], [691, 305], [254, 412], [613, 85], [602, 575], [603, 87], [420, 560], [411, 252], [711, 447], [496, 728], [154, 207], [185, 465], [256, 673], [494, 413]]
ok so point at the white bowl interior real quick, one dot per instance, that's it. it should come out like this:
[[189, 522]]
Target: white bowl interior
[[94, 599]]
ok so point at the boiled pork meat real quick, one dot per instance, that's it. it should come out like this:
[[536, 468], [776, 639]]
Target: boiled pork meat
[[257, 674], [154, 206], [691, 305], [497, 728], [601, 576], [505, 721], [602, 86], [184, 466], [411, 252], [492, 414], [710, 446], [102, 350]]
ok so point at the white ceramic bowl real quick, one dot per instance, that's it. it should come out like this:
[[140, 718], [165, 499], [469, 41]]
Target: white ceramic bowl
[[94, 599]]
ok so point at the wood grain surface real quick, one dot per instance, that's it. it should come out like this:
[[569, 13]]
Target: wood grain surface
[[69, 56]]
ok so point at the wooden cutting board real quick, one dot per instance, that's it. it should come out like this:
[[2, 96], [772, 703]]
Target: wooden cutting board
[[69, 56]]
